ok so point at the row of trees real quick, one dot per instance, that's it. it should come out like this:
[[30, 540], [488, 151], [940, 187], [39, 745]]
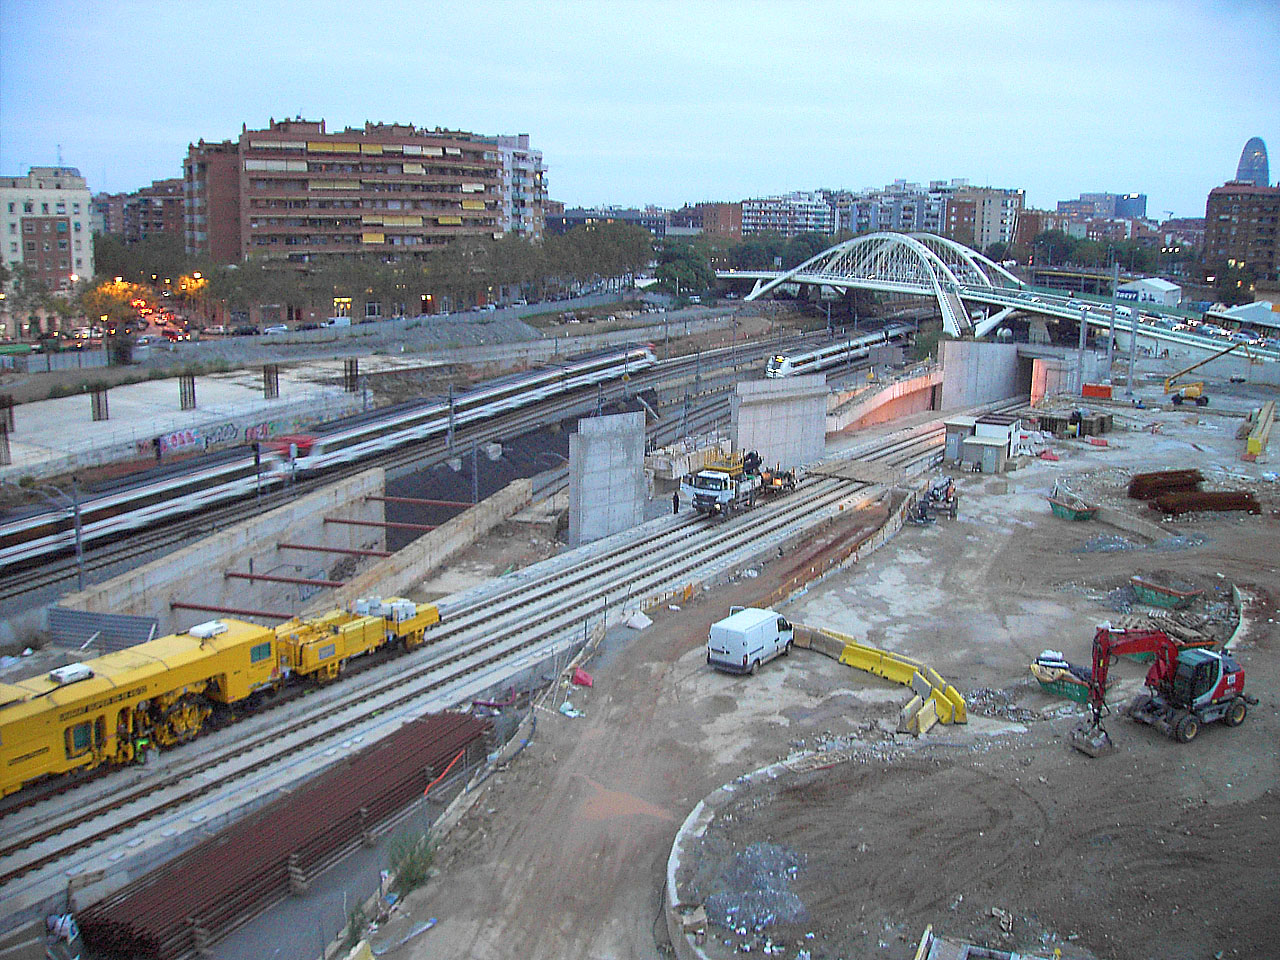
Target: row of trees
[[465, 272]]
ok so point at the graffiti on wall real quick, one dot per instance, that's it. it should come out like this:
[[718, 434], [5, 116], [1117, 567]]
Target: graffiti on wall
[[194, 439]]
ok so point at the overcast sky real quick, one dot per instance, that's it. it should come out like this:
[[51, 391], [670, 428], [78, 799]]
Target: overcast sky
[[668, 101]]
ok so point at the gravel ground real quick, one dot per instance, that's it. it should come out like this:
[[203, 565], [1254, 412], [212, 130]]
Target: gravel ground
[[995, 831]]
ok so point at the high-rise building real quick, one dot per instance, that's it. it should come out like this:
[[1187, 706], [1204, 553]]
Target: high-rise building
[[300, 192], [788, 215], [1240, 223], [211, 186], [108, 213], [524, 187], [154, 211], [1107, 205], [1253, 163], [46, 225], [981, 216]]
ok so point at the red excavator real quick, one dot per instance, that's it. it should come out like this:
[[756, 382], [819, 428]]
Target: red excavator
[[1188, 687]]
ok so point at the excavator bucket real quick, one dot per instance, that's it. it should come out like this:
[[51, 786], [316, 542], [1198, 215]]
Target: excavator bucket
[[1093, 740]]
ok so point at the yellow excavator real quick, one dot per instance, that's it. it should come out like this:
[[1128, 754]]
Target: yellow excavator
[[1194, 391]]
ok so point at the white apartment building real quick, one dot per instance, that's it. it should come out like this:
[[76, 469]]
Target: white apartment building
[[524, 187], [789, 215], [45, 225]]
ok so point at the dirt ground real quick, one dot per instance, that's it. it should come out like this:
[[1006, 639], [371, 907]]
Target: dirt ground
[[1159, 851]]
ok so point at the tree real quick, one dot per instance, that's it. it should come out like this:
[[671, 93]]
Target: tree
[[682, 270]]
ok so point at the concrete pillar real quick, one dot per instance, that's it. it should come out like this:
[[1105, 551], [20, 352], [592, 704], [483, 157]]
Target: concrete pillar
[[606, 476], [783, 420]]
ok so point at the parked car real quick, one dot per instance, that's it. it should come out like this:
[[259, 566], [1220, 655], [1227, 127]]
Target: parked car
[[275, 328], [245, 330], [308, 326], [215, 329]]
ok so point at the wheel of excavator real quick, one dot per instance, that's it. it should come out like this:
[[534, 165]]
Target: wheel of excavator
[[1236, 712], [1185, 728]]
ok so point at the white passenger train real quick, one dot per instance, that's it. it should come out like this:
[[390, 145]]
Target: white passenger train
[[432, 419], [851, 348], [26, 539]]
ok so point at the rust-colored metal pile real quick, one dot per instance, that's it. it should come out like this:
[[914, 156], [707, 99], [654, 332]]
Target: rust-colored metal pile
[[1148, 486], [1191, 501], [181, 908]]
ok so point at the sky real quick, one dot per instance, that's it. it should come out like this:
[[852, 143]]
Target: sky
[[663, 102]]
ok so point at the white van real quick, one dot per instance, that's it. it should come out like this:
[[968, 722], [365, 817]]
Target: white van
[[747, 638]]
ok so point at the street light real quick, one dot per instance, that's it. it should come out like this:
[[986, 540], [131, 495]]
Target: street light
[[71, 504]]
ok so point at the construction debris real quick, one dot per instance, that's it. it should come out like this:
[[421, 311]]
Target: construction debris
[[1148, 486]]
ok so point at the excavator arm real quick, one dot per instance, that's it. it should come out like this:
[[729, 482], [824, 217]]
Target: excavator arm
[[1107, 645]]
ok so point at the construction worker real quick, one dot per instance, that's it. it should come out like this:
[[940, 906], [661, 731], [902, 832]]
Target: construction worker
[[675, 501]]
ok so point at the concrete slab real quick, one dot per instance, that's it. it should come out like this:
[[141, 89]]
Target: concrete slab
[[58, 435]]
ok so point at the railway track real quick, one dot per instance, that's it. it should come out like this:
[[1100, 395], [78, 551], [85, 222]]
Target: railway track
[[111, 557], [483, 633]]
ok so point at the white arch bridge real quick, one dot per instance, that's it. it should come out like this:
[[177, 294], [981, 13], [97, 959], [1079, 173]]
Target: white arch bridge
[[912, 263]]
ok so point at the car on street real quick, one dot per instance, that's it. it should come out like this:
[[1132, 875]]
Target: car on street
[[275, 328]]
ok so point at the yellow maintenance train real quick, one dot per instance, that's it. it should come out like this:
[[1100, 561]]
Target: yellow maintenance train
[[111, 709]]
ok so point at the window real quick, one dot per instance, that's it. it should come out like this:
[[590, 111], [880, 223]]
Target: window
[[44, 208], [61, 206], [75, 208], [62, 245], [373, 308], [77, 226], [12, 207], [259, 652], [13, 228], [28, 207], [28, 227], [79, 739]]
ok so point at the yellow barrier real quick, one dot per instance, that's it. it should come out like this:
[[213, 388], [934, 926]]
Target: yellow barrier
[[939, 701]]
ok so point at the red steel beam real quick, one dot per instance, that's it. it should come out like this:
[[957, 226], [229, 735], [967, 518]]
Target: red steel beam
[[302, 581], [350, 551], [381, 523], [423, 502], [234, 611]]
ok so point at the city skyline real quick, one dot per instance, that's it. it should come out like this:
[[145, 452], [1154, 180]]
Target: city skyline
[[665, 103]]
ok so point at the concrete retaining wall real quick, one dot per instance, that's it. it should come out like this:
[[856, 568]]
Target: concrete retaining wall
[[195, 573], [898, 399], [397, 574], [975, 373]]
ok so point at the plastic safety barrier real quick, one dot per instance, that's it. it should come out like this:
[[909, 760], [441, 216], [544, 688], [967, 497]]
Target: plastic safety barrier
[[933, 701]]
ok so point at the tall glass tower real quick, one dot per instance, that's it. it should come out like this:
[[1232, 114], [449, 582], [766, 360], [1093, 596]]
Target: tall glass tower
[[1253, 163]]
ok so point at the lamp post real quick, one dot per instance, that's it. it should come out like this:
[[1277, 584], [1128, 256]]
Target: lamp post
[[70, 503]]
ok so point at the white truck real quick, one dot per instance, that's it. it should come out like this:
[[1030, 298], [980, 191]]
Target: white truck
[[747, 638], [718, 493]]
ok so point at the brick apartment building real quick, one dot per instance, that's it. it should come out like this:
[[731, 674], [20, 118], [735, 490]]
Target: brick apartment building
[[294, 191], [1240, 225], [154, 211], [108, 213]]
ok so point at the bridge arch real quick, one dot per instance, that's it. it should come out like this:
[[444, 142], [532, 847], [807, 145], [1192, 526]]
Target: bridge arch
[[918, 263]]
